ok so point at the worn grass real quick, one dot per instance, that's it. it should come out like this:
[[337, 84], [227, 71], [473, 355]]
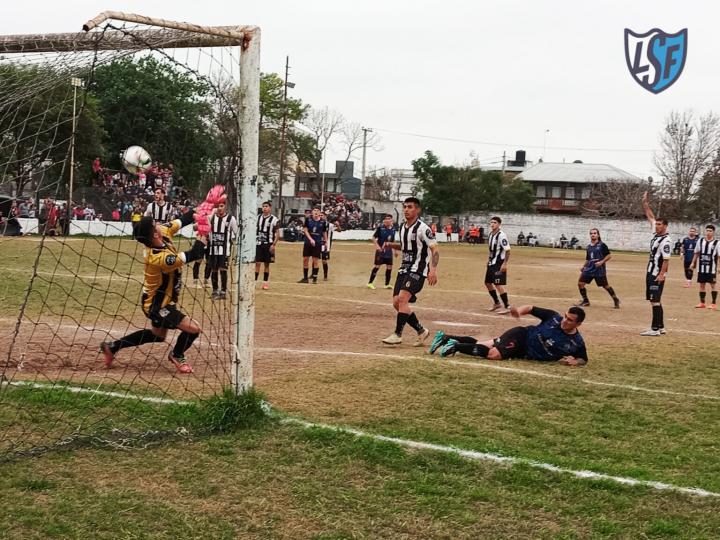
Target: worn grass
[[288, 482]]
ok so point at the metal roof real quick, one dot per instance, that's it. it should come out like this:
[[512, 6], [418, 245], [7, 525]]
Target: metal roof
[[578, 173]]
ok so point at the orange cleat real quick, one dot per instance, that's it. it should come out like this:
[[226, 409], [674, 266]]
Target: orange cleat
[[180, 363], [108, 355], [701, 305]]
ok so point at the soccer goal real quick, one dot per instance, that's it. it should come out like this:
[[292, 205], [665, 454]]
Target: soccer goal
[[71, 274]]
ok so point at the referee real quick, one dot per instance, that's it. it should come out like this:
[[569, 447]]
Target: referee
[[660, 251]]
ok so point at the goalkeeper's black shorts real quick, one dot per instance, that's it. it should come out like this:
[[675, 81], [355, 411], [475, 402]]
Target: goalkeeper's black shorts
[[166, 317]]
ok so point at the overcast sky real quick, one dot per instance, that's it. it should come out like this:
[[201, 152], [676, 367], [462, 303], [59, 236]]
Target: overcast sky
[[500, 72]]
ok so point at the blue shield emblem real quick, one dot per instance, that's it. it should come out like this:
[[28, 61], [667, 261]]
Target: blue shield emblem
[[655, 59]]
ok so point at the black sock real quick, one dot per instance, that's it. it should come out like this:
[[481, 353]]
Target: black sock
[[214, 280], [657, 319], [196, 270], [325, 270], [256, 275], [611, 292], [714, 296], [505, 300], [476, 349], [373, 273], [388, 275], [462, 339], [402, 318], [414, 323], [494, 296], [133, 340], [702, 296], [208, 271], [266, 276], [305, 273], [223, 280], [583, 293], [184, 340], [315, 272]]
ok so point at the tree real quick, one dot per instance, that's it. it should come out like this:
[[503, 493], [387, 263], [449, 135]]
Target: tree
[[36, 105], [687, 148], [619, 199], [707, 198], [379, 185], [151, 103]]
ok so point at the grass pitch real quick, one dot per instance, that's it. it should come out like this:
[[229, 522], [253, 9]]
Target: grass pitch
[[645, 408]]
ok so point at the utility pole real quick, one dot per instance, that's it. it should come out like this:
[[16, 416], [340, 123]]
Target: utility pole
[[283, 130], [503, 168], [362, 176]]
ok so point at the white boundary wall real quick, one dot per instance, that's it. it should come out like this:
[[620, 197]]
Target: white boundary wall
[[629, 235]]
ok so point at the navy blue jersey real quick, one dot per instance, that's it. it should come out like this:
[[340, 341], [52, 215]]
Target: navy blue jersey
[[688, 245], [595, 253], [547, 341], [316, 230], [383, 234]]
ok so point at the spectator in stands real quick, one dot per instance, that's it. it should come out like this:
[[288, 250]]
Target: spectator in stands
[[98, 171], [521, 239], [448, 231], [116, 215]]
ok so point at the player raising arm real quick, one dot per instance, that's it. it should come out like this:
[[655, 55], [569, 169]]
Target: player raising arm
[[660, 250]]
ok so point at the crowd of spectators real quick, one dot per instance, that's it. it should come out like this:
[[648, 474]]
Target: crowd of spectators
[[343, 212]]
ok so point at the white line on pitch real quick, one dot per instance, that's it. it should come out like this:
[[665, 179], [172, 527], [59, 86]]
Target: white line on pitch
[[417, 445], [483, 365], [497, 458], [449, 323]]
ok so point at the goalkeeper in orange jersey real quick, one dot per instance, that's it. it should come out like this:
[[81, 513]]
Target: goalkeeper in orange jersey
[[160, 292]]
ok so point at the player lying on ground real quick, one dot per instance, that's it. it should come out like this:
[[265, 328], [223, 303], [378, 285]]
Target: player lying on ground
[[556, 338], [161, 288]]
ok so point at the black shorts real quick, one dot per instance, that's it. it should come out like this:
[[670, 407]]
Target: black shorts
[[312, 251], [688, 270], [706, 278], [413, 283], [653, 289], [600, 281], [218, 262], [263, 254], [167, 317], [325, 255], [513, 343], [383, 258], [495, 276]]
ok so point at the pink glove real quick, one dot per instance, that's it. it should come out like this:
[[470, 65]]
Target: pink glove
[[215, 196]]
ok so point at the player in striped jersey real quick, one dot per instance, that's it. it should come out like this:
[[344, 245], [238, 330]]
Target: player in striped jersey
[[660, 251], [327, 246], [420, 258], [706, 254], [496, 273], [267, 237], [159, 209], [223, 228]]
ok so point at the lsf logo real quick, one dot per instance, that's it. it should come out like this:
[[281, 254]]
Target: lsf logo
[[655, 59]]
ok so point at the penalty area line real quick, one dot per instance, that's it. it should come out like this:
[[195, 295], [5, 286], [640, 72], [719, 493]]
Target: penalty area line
[[82, 390], [508, 460], [482, 365]]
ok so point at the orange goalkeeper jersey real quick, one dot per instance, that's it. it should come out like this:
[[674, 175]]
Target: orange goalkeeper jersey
[[162, 272]]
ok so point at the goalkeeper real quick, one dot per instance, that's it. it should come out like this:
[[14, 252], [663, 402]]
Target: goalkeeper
[[161, 288]]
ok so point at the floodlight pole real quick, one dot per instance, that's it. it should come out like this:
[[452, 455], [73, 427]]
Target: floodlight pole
[[246, 207], [75, 82]]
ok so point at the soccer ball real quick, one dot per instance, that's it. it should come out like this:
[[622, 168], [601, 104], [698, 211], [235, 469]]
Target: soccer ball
[[136, 159]]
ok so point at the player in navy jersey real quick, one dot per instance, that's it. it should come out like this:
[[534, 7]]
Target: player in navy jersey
[[687, 249], [706, 255], [555, 339], [596, 257], [315, 231], [660, 252], [383, 235]]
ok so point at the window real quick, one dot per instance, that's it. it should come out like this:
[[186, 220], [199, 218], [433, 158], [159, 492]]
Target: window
[[556, 192], [540, 192], [569, 192], [302, 185], [585, 193]]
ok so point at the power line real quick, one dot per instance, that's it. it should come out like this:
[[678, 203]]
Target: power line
[[487, 143]]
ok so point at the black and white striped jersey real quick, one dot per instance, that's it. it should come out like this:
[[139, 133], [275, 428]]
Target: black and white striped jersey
[[222, 232], [159, 212], [660, 249], [498, 245], [707, 251], [331, 229], [415, 242], [266, 229]]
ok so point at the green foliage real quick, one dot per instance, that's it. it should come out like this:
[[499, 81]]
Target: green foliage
[[151, 103], [36, 108], [228, 412], [448, 190]]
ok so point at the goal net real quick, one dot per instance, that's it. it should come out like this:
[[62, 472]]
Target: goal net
[[71, 274]]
